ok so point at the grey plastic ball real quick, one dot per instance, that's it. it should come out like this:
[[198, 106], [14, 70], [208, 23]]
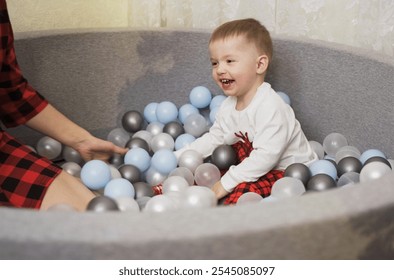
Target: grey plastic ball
[[174, 129], [132, 121], [378, 159], [224, 156], [49, 147], [72, 168], [71, 155], [320, 182], [130, 172], [137, 143], [102, 204], [348, 164], [299, 171], [143, 189]]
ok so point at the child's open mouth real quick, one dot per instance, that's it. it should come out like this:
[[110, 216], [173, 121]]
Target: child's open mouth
[[226, 81]]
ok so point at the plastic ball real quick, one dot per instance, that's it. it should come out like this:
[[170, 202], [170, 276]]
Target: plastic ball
[[199, 197], [136, 142], [114, 172], [183, 140], [72, 168], [317, 148], [323, 166], [132, 121], [166, 112], [217, 101], [118, 136], [138, 157], [162, 141], [130, 173], [373, 171], [348, 164], [249, 198], [144, 135], [190, 159], [127, 204], [320, 182], [196, 125], [154, 177], [347, 151], [224, 156], [174, 129], [71, 155], [184, 173], [142, 201], [371, 153], [212, 114], [200, 97], [95, 174], [102, 204], [150, 112], [298, 171], [206, 174], [49, 147], [379, 159], [285, 97], [269, 199], [186, 110], [164, 161], [116, 160], [174, 184], [119, 187], [333, 142], [287, 187], [159, 204], [143, 189], [155, 128], [349, 178]]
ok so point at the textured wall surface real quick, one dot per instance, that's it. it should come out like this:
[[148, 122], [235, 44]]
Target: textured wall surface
[[368, 24]]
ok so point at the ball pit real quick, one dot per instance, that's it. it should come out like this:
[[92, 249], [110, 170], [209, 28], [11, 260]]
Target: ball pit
[[333, 89]]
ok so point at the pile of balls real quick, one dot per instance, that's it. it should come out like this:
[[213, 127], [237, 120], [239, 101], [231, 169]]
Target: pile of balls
[[129, 182]]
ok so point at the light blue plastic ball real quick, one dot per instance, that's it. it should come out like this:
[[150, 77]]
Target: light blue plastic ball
[[150, 112], [166, 112], [182, 140], [185, 111], [217, 101], [164, 161], [285, 97], [212, 114], [138, 157], [323, 167], [371, 153], [119, 187], [95, 174], [200, 97]]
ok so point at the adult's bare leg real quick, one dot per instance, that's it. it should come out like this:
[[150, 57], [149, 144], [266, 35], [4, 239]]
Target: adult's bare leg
[[67, 189]]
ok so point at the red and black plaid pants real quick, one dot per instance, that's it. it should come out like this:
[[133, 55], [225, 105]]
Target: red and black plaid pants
[[24, 175], [262, 186]]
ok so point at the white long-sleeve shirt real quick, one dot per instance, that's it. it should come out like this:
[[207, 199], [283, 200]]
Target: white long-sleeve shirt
[[277, 137]]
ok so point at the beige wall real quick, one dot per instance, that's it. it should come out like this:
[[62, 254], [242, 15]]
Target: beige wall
[[368, 24]]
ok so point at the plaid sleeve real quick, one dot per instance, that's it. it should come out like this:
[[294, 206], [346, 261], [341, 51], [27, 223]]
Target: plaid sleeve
[[19, 102]]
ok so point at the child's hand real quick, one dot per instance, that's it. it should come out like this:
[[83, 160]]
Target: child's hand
[[219, 191]]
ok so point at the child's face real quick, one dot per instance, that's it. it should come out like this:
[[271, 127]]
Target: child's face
[[237, 67]]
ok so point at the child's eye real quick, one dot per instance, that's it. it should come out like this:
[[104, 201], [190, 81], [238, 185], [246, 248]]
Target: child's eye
[[213, 63], [230, 60]]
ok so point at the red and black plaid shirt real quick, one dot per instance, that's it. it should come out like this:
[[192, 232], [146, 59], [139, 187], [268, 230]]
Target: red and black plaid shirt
[[19, 102]]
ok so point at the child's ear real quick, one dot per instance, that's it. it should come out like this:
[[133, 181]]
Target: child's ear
[[262, 64]]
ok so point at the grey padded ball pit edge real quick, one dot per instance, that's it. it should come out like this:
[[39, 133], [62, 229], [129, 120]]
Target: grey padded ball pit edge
[[333, 89]]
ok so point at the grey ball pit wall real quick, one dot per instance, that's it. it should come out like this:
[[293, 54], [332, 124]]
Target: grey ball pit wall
[[94, 76]]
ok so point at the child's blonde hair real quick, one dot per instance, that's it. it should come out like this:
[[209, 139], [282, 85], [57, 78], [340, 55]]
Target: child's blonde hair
[[253, 31]]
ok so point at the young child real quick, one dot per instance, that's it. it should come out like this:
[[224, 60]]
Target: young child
[[27, 179], [254, 119]]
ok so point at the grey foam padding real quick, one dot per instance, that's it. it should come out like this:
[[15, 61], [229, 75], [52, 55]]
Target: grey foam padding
[[94, 76]]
